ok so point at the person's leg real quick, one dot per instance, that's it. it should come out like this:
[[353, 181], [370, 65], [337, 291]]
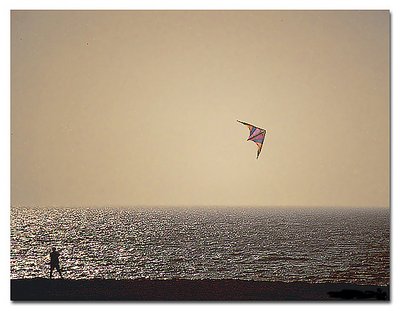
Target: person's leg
[[51, 271], [59, 270]]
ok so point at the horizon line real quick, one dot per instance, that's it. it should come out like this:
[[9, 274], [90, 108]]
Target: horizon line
[[196, 206]]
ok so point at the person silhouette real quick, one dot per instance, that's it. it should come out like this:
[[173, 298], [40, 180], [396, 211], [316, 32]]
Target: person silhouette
[[55, 262]]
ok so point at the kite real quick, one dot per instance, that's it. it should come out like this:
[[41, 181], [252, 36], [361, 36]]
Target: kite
[[257, 135]]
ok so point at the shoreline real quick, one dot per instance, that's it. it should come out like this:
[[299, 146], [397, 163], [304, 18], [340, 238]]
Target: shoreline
[[41, 289]]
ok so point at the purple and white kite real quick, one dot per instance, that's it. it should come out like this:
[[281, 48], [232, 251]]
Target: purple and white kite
[[257, 135]]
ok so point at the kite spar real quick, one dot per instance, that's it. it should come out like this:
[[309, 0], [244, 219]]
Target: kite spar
[[257, 135]]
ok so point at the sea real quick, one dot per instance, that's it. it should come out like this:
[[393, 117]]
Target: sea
[[315, 245]]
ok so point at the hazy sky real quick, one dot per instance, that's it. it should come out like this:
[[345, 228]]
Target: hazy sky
[[139, 108]]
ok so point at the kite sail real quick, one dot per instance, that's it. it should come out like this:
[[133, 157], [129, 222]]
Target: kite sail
[[257, 135]]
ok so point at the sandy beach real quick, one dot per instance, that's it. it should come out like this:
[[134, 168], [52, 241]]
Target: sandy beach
[[40, 289]]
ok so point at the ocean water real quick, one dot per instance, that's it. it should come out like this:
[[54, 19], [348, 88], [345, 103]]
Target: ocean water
[[270, 244]]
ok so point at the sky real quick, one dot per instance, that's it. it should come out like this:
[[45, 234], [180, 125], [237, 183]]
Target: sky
[[132, 108]]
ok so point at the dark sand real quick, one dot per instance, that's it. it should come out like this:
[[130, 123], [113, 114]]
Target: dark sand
[[189, 290]]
